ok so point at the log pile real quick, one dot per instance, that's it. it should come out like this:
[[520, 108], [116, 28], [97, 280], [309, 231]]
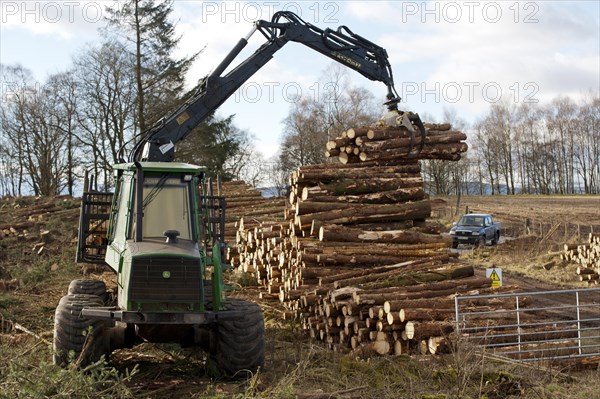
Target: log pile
[[353, 256], [587, 258], [21, 217], [246, 208], [369, 144]]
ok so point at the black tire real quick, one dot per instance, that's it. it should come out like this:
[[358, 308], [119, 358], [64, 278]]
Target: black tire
[[496, 238], [73, 332], [89, 287], [481, 242], [454, 244], [240, 349]]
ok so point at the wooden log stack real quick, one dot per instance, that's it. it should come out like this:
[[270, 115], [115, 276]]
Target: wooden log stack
[[353, 256], [371, 144], [246, 208], [587, 258]]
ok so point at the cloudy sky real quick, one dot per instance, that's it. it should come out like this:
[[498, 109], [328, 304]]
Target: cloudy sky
[[444, 54]]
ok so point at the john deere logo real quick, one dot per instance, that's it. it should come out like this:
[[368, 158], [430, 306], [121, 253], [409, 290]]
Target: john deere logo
[[166, 274]]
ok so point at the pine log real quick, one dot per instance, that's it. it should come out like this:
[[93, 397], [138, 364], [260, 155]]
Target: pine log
[[357, 132], [438, 345], [17, 226], [329, 165], [468, 283], [426, 314], [405, 142], [438, 126], [383, 197], [363, 247], [361, 186], [334, 152], [396, 297], [566, 348], [339, 233], [324, 175], [378, 249], [449, 152], [525, 335], [400, 277], [419, 330], [358, 260], [344, 158], [366, 213], [338, 142]]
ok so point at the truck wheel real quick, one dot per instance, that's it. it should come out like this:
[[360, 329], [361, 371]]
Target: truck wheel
[[454, 244], [74, 333], [240, 348], [89, 287], [496, 238], [481, 242]]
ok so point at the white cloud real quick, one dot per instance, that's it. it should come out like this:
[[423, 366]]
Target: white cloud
[[451, 44], [556, 55], [65, 19]]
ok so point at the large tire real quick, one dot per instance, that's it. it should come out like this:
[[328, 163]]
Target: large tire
[[455, 244], [73, 332], [89, 287], [482, 242], [496, 238], [240, 349]]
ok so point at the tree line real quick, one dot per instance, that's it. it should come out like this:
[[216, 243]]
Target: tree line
[[89, 116], [526, 149], [529, 148]]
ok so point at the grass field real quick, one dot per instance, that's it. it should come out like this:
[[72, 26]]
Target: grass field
[[296, 367]]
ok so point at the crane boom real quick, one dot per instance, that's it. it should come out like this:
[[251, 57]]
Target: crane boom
[[341, 45]]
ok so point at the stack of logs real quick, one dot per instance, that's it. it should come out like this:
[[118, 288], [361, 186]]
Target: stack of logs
[[246, 209], [385, 144], [587, 257], [18, 220], [354, 257]]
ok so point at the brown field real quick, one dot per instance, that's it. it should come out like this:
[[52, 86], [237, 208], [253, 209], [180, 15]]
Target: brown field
[[568, 215], [296, 367], [535, 230]]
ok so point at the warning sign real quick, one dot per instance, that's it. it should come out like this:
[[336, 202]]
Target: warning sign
[[496, 275]]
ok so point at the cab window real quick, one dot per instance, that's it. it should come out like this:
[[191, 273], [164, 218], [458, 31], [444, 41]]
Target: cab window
[[166, 206]]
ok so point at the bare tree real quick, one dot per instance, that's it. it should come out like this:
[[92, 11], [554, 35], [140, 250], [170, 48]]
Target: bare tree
[[62, 91], [314, 120], [560, 122], [305, 134], [33, 123], [105, 85], [444, 177], [17, 82]]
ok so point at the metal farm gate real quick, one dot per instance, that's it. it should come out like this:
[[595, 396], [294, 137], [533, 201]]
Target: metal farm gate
[[533, 326]]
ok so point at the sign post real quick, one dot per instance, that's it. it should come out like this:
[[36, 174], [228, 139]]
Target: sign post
[[495, 273]]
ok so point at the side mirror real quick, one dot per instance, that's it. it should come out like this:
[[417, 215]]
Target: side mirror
[[171, 236]]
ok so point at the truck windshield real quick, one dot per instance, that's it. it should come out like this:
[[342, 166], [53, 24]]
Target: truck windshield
[[166, 206], [471, 221]]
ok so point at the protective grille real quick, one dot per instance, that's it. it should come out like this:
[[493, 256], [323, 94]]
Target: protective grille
[[463, 233], [93, 226], [163, 279]]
